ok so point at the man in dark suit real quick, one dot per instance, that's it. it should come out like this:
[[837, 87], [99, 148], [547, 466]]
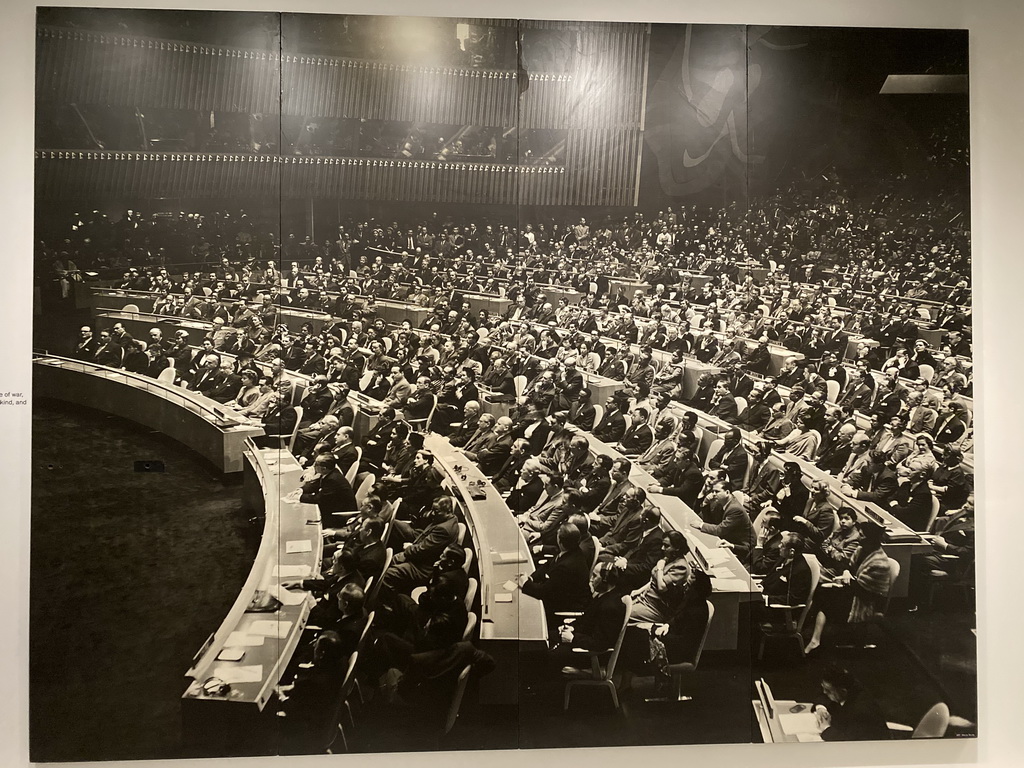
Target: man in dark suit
[[735, 528], [460, 435], [612, 426], [850, 714], [527, 491], [681, 477], [951, 425], [582, 411], [413, 566], [732, 457], [209, 376], [877, 482], [562, 583], [635, 559], [328, 488]]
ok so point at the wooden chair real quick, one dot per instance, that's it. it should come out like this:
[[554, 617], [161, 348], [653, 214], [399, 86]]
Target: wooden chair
[[932, 725], [373, 591], [792, 628], [423, 424], [341, 710], [474, 585], [471, 622], [353, 470], [599, 675], [460, 690], [678, 669], [365, 486]]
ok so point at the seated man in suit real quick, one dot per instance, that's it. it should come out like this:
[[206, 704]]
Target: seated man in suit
[[612, 426], [723, 404], [422, 546], [635, 558], [328, 489], [562, 583], [639, 437], [582, 411], [732, 457], [490, 454], [461, 434], [735, 529], [681, 477]]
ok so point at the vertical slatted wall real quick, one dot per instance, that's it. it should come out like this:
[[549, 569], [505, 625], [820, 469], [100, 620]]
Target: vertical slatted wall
[[598, 103]]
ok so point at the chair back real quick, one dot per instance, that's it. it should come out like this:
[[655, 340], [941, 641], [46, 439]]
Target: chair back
[[471, 622], [613, 660], [629, 422], [519, 384], [460, 534], [894, 573], [388, 343], [832, 386], [704, 637], [469, 559], [934, 723], [741, 404], [815, 566], [365, 486], [374, 590], [295, 429], [926, 371], [597, 552], [713, 449], [474, 585], [167, 375], [350, 475], [366, 631], [933, 514], [460, 689], [598, 415], [130, 308], [298, 391]]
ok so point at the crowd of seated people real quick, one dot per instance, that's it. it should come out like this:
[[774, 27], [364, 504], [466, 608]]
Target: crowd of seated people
[[885, 425]]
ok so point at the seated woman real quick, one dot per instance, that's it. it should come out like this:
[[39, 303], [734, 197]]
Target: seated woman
[[661, 598], [922, 455], [838, 552], [803, 441], [859, 593]]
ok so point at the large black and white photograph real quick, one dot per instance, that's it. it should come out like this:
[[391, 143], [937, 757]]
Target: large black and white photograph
[[408, 384]]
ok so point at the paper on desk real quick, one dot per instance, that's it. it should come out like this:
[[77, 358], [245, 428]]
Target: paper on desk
[[730, 585], [301, 545], [799, 722], [721, 572], [510, 586], [287, 596], [292, 571], [716, 556], [511, 557], [246, 673], [503, 597], [242, 638], [270, 628], [809, 737]]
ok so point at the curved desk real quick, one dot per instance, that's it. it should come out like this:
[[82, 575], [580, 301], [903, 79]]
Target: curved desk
[[509, 622], [266, 639], [207, 427]]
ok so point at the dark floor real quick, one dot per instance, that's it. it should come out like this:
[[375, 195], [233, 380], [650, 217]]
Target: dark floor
[[131, 571]]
